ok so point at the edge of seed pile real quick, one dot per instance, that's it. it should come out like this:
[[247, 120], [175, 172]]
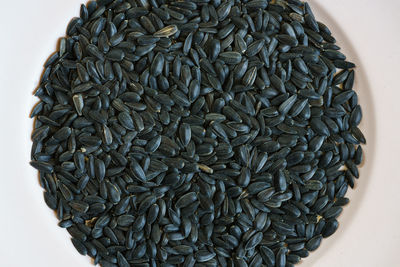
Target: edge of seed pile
[[197, 133]]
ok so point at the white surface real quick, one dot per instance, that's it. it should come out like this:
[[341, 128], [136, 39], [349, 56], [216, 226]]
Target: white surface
[[369, 234]]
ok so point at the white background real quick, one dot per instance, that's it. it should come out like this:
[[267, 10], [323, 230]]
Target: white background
[[369, 234]]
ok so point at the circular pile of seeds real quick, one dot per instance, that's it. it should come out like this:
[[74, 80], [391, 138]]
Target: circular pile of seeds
[[197, 133]]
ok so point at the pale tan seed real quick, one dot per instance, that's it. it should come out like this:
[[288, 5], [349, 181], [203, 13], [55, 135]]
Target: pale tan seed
[[205, 168], [166, 31], [78, 102]]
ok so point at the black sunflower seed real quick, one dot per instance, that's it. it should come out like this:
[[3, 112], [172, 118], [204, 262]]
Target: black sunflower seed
[[80, 247], [231, 57], [314, 243], [157, 65], [137, 170], [254, 48], [79, 206], [42, 166], [268, 255]]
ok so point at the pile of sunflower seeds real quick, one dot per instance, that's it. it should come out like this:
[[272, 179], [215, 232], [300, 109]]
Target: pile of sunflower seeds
[[197, 133]]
